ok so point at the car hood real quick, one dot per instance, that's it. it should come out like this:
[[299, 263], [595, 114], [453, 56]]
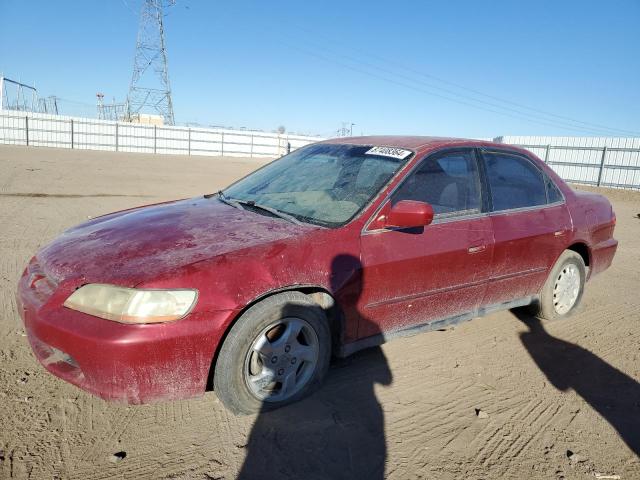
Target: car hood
[[136, 245]]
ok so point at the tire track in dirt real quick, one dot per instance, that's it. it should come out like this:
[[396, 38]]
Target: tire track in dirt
[[115, 426]]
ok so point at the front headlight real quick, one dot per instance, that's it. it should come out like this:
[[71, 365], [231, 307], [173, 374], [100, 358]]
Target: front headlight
[[131, 305]]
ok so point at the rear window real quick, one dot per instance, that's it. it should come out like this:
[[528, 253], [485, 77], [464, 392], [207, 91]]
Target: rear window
[[514, 182], [553, 193]]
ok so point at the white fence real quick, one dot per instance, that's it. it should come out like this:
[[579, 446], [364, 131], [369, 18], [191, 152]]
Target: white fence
[[601, 161], [41, 130]]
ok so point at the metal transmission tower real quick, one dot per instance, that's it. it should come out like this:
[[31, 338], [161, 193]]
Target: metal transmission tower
[[48, 105], [150, 81], [111, 111], [17, 96]]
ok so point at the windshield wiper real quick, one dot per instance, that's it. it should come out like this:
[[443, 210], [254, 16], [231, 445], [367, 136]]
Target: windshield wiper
[[242, 204], [271, 210]]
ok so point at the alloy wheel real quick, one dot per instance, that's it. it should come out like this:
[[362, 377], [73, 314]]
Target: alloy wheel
[[281, 360]]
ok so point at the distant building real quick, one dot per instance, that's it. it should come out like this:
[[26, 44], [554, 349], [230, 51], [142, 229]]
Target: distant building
[[147, 119]]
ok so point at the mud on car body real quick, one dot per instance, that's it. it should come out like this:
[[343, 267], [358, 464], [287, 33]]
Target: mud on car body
[[335, 247]]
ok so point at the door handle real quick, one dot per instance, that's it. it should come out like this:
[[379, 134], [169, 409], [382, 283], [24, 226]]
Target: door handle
[[559, 233], [476, 249]]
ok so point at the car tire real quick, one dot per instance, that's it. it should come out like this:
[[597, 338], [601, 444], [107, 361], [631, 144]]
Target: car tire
[[264, 364], [562, 292]]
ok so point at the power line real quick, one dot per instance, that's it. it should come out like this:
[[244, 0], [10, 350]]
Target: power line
[[128, 7], [568, 124], [410, 69], [84, 104], [461, 102], [520, 105]]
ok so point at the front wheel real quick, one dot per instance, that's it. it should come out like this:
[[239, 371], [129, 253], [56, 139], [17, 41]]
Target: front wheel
[[277, 352], [562, 292]]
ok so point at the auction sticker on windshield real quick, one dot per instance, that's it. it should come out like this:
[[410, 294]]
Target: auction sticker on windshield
[[398, 153]]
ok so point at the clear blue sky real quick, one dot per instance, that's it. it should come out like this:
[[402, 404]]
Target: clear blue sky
[[310, 65]]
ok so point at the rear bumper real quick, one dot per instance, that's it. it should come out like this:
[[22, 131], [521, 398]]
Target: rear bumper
[[602, 255], [129, 363]]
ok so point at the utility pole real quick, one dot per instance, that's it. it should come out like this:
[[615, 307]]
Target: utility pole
[[345, 130], [100, 97], [150, 87]]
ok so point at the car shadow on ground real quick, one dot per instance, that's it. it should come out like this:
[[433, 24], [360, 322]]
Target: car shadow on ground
[[611, 393], [338, 432]]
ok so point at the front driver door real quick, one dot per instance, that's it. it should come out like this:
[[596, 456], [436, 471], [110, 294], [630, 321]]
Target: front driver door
[[414, 276]]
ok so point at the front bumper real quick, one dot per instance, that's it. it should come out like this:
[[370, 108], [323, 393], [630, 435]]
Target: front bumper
[[130, 363]]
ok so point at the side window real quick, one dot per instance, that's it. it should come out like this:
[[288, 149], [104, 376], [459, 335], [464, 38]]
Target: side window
[[514, 182], [449, 183], [553, 193]]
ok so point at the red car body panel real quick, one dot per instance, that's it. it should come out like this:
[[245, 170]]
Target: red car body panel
[[516, 271], [456, 280], [235, 257]]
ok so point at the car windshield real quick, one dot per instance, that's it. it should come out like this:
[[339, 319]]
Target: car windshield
[[323, 184]]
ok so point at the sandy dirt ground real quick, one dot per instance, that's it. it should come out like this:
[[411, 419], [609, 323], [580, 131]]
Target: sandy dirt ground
[[491, 398]]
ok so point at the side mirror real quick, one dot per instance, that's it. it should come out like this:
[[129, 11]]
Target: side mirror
[[409, 214]]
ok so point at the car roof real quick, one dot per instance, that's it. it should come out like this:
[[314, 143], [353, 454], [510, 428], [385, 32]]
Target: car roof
[[409, 142]]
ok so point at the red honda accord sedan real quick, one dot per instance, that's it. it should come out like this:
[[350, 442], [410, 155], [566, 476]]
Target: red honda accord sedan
[[335, 247]]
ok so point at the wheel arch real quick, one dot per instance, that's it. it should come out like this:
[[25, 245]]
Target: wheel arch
[[317, 293], [582, 249]]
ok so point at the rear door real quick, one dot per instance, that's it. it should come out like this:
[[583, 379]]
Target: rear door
[[530, 224], [414, 276]]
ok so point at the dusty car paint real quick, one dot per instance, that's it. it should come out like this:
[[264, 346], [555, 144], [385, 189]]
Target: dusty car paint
[[454, 269]]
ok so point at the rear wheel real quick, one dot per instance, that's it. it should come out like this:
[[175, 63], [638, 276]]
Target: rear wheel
[[276, 353], [562, 292]]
